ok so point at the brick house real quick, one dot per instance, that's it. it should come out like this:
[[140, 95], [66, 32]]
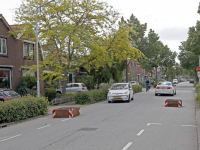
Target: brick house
[[14, 55]]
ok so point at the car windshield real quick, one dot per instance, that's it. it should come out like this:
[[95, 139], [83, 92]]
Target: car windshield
[[165, 83], [119, 87], [12, 93], [2, 93]]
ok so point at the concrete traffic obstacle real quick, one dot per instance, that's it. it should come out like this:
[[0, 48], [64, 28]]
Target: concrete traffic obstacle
[[173, 103], [66, 112]]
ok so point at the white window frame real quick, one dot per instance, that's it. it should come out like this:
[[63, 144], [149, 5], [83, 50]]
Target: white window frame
[[2, 44], [29, 51]]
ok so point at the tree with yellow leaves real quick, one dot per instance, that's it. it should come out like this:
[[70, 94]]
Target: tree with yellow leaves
[[76, 33]]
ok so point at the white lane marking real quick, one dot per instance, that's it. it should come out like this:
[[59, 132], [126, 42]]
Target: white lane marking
[[43, 127], [66, 119], [140, 132], [148, 124], [188, 126], [127, 146], [11, 137]]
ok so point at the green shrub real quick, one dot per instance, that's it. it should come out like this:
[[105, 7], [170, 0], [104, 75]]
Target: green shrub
[[58, 95], [91, 96], [142, 84], [87, 80], [50, 93], [34, 94], [69, 94], [137, 88], [197, 88], [22, 88], [198, 97], [30, 80], [22, 108]]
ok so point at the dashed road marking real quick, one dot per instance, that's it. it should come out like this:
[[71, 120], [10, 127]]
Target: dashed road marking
[[188, 126], [43, 127], [140, 132], [148, 124], [11, 137], [127, 146], [66, 119]]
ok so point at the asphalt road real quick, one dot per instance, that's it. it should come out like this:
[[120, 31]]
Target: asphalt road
[[143, 124]]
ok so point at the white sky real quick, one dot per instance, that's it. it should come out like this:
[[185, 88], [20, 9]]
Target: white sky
[[170, 19]]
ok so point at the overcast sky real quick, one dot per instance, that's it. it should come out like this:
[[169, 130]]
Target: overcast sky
[[170, 19]]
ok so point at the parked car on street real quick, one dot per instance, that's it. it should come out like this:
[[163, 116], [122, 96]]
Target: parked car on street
[[120, 92], [191, 80], [73, 88], [3, 96], [134, 83], [12, 94], [165, 88]]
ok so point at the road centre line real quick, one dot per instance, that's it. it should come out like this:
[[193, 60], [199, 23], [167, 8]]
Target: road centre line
[[148, 124], [43, 127], [11, 137], [140, 132], [66, 119], [188, 126], [127, 146]]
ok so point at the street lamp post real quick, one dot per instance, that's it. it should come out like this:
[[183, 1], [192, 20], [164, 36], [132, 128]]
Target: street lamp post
[[36, 28], [127, 64]]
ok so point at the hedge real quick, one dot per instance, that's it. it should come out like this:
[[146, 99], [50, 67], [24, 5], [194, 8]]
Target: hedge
[[50, 93], [92, 96], [22, 108], [197, 87], [137, 88]]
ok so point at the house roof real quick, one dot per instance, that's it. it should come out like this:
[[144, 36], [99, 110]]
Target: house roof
[[5, 22]]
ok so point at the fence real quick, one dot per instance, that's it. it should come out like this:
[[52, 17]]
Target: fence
[[62, 100]]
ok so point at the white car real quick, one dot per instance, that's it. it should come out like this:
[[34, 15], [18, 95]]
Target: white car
[[165, 88], [175, 81], [73, 88], [134, 83], [120, 92]]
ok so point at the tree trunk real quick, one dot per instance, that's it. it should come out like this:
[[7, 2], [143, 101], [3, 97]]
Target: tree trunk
[[156, 75], [64, 81]]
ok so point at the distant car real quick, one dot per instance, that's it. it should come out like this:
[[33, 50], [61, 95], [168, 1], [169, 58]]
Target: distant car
[[3, 96], [134, 83], [120, 92], [12, 94], [175, 81], [183, 79], [73, 88], [165, 88], [191, 80]]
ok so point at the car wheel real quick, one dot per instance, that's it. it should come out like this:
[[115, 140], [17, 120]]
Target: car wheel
[[58, 92], [156, 94], [132, 97], [109, 101]]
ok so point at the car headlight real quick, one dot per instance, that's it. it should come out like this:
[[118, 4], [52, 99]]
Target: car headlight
[[126, 92]]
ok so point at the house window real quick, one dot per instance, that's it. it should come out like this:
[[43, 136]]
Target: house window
[[28, 49], [27, 72], [3, 46]]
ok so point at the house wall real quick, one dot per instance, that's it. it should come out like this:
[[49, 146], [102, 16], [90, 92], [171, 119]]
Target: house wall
[[14, 56]]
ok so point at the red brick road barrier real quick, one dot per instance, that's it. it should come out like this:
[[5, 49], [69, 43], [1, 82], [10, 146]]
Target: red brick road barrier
[[66, 112], [173, 103]]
